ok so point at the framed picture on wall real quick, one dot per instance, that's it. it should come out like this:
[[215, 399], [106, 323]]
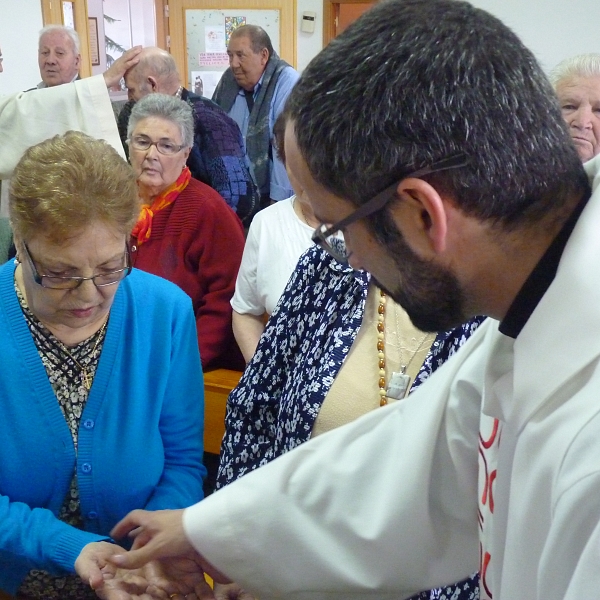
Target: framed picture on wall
[[94, 45]]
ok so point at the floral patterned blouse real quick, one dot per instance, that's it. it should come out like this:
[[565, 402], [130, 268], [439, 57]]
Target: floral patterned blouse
[[65, 377], [309, 335]]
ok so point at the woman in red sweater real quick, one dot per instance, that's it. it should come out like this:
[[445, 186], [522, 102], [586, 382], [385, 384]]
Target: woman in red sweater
[[186, 232]]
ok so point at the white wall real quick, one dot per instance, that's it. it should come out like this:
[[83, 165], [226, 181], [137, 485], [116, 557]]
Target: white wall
[[143, 19], [20, 23], [21, 20], [308, 44], [96, 9], [553, 29]]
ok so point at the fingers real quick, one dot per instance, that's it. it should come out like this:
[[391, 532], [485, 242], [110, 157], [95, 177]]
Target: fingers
[[131, 522], [129, 59], [192, 596], [159, 584], [203, 591], [92, 561], [140, 538], [216, 575], [134, 559], [158, 535], [95, 579], [231, 591]]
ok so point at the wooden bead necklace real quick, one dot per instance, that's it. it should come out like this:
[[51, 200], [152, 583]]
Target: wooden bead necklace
[[381, 348]]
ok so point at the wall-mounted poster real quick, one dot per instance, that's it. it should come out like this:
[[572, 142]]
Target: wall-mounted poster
[[205, 82], [231, 24], [213, 59], [214, 41]]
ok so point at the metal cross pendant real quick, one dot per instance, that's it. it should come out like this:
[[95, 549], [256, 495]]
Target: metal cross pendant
[[87, 379]]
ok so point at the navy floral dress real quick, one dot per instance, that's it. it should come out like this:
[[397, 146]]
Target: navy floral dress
[[305, 342]]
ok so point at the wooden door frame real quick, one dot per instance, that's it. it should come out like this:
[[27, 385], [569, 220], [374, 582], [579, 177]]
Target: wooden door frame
[[161, 7], [329, 17], [52, 15], [178, 34]]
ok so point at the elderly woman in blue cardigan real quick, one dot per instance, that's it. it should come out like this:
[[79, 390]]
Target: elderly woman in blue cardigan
[[100, 378]]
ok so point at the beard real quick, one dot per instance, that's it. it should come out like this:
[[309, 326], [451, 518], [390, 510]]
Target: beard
[[430, 294]]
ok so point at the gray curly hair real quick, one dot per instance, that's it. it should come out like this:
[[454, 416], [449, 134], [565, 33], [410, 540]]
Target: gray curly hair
[[167, 107]]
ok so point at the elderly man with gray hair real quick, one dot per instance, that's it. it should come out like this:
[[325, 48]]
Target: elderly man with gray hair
[[59, 59], [59, 55], [577, 84], [83, 106], [253, 91]]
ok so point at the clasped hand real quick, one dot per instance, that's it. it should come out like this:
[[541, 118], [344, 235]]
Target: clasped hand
[[152, 569]]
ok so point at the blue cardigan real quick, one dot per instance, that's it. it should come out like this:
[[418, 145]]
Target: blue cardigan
[[140, 436]]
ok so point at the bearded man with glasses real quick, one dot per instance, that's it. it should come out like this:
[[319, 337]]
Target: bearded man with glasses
[[492, 464]]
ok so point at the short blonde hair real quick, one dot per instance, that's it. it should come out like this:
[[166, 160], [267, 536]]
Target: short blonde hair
[[68, 182]]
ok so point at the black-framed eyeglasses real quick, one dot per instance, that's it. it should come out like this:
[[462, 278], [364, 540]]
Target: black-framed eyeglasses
[[55, 282], [143, 143], [328, 237]]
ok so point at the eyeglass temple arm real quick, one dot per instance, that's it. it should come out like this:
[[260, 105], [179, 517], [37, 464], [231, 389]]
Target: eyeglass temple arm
[[380, 200]]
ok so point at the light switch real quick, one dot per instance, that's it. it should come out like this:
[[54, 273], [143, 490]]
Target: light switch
[[308, 21]]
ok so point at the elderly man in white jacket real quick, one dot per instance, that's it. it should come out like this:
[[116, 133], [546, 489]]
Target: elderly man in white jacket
[[494, 463], [30, 117]]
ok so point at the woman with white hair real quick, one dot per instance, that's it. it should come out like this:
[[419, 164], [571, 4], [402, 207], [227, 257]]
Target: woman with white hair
[[185, 232], [577, 84]]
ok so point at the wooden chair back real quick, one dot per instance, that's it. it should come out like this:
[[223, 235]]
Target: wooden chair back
[[217, 385]]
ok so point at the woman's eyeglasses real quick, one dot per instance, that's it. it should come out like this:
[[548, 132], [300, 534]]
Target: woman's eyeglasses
[[70, 283], [143, 143]]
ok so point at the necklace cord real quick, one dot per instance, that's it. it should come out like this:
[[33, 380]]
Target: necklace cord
[[86, 378]]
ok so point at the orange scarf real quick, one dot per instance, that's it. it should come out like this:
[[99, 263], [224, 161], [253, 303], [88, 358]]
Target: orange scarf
[[143, 228]]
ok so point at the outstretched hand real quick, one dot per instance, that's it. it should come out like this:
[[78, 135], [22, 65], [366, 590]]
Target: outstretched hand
[[155, 581], [117, 70], [158, 535], [93, 567], [92, 559]]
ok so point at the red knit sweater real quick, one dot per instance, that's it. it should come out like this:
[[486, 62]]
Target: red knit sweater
[[197, 243]]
